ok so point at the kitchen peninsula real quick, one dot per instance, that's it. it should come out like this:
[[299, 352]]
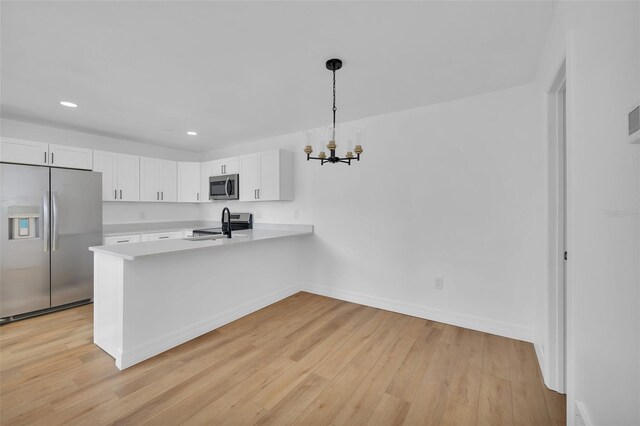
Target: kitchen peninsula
[[152, 296]]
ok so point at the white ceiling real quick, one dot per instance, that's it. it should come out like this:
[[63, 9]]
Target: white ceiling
[[237, 71]]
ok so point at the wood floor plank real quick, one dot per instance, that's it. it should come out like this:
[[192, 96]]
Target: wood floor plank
[[494, 405], [304, 360], [390, 411], [496, 357]]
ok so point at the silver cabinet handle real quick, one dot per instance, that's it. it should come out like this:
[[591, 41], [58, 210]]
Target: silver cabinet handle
[[157, 195], [258, 194], [255, 194], [54, 234], [115, 194], [226, 187], [46, 218], [121, 194], [161, 195], [45, 157], [122, 241], [163, 238], [197, 196], [52, 158]]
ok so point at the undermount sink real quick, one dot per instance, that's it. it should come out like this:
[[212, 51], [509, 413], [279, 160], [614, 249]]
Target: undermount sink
[[212, 237]]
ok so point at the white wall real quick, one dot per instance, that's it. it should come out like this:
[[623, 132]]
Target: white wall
[[601, 41], [112, 212], [453, 190]]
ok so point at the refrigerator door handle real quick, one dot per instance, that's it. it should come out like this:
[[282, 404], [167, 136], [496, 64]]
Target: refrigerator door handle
[[45, 218], [54, 234]]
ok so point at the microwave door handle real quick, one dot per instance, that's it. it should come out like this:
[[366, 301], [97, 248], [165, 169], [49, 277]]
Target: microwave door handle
[[226, 187], [45, 218]]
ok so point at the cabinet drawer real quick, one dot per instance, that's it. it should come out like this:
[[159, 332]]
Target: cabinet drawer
[[121, 239], [157, 236]]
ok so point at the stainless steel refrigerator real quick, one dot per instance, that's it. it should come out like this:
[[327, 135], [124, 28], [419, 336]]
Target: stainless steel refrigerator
[[49, 217]]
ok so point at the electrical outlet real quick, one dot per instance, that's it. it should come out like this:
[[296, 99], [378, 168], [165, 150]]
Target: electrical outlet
[[439, 283]]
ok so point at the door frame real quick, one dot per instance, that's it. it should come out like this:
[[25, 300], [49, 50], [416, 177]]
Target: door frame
[[558, 231]]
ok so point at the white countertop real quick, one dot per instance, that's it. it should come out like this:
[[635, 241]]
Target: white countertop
[[133, 251]]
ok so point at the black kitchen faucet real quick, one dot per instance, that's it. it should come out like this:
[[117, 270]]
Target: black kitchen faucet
[[226, 231]]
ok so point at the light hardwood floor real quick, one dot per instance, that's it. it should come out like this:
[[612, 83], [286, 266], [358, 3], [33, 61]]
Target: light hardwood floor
[[305, 360]]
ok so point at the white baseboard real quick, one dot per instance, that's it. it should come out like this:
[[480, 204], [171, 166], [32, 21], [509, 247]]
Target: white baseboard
[[542, 361], [164, 343], [473, 322]]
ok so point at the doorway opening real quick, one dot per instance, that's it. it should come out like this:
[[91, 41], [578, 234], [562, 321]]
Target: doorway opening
[[558, 226]]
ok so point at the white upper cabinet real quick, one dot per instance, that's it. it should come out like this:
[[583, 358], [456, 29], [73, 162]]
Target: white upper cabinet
[[24, 152], [266, 176], [205, 174], [44, 154], [189, 182], [158, 180], [128, 177], [70, 157], [120, 175], [226, 166], [249, 177]]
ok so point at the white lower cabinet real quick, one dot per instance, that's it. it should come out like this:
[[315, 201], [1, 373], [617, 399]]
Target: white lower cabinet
[[121, 239], [266, 176], [157, 236]]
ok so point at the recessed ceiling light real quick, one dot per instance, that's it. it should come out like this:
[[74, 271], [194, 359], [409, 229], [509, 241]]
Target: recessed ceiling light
[[68, 104], [192, 133]]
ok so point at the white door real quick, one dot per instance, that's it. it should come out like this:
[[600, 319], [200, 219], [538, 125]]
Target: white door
[[269, 169], [128, 177], [249, 176], [149, 188], [24, 152], [107, 164], [205, 174], [188, 182], [231, 166], [168, 180], [70, 156], [217, 167]]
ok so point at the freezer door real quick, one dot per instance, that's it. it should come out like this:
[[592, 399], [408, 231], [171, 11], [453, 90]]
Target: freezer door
[[76, 225], [24, 258]]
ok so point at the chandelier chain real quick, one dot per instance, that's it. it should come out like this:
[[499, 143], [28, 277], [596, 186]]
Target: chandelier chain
[[334, 103]]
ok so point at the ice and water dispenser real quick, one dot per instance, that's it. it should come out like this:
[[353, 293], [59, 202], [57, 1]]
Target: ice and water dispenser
[[23, 222]]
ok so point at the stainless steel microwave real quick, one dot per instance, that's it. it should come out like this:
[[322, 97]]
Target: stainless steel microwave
[[224, 187]]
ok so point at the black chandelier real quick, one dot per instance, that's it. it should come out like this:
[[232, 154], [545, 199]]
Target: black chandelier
[[333, 65]]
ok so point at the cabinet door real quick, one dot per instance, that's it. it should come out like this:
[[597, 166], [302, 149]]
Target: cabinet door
[[128, 177], [217, 167], [269, 176], [24, 152], [188, 182], [107, 164], [168, 180], [70, 157], [231, 166], [248, 177], [205, 174], [149, 188]]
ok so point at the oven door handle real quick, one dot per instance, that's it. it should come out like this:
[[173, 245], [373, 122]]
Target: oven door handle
[[226, 188]]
